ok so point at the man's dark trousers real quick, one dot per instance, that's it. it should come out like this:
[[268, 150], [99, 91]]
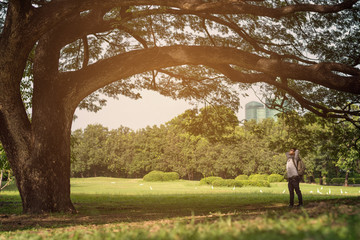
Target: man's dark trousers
[[294, 184]]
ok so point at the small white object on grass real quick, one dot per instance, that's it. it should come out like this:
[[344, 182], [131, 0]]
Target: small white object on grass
[[141, 184], [284, 191], [341, 191], [319, 191], [346, 192], [150, 188], [321, 188], [112, 182], [261, 191], [329, 191], [234, 188], [212, 187], [311, 191]]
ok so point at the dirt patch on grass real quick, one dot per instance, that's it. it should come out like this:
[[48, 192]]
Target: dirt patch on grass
[[145, 217]]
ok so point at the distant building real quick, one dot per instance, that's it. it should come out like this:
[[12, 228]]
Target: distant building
[[251, 110], [258, 111]]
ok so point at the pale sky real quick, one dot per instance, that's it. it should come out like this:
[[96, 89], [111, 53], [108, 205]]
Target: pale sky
[[152, 109]]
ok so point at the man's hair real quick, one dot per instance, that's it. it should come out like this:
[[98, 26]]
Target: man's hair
[[293, 149]]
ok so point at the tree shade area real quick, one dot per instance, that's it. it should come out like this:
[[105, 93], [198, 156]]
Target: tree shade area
[[57, 55], [186, 146]]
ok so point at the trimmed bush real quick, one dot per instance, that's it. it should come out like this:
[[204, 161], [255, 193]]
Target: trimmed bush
[[154, 176], [219, 182], [227, 183], [209, 180], [257, 177], [275, 178], [159, 176], [253, 183], [239, 183], [242, 177], [317, 180], [224, 183], [171, 176]]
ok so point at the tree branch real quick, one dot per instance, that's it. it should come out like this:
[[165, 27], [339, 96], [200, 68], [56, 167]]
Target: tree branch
[[86, 52], [207, 32], [318, 109], [65, 8], [254, 43], [135, 62], [240, 7]]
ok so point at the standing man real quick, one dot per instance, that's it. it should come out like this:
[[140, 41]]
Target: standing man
[[293, 176]]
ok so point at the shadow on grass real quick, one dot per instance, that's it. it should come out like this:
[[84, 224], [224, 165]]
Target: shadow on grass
[[95, 209]]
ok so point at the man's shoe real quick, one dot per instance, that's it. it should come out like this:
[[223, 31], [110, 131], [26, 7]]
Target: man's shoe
[[300, 205], [290, 206]]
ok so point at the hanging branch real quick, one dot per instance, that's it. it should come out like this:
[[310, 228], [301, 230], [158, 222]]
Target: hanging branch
[[86, 52], [207, 32]]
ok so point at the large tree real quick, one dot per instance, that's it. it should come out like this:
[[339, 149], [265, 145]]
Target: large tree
[[183, 48]]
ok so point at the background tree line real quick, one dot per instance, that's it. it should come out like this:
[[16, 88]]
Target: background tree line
[[211, 142]]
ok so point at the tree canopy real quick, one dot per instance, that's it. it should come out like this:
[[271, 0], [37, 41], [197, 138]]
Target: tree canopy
[[303, 51], [56, 55], [328, 148]]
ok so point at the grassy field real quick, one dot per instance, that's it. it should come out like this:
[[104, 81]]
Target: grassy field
[[112, 208]]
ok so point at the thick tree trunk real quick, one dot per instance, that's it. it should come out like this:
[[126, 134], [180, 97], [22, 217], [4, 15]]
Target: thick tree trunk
[[40, 157], [43, 171], [45, 186]]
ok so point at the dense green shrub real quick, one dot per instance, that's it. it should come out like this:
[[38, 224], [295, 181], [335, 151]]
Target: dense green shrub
[[337, 180], [355, 175], [242, 177], [171, 176], [258, 177], [275, 178], [305, 178], [228, 183], [159, 176], [239, 183], [342, 180], [154, 176], [259, 183], [224, 183], [317, 180], [209, 180]]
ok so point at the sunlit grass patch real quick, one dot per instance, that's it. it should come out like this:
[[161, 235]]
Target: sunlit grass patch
[[114, 208], [116, 195], [331, 225]]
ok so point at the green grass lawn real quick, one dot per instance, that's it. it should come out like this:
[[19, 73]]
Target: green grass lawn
[[113, 208]]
